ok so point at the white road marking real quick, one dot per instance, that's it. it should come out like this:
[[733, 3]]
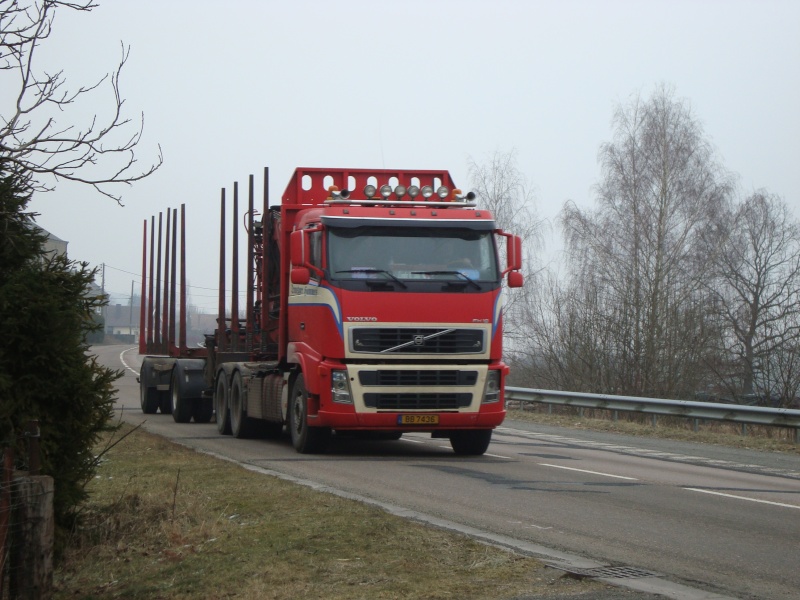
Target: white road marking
[[742, 498], [590, 472], [125, 364]]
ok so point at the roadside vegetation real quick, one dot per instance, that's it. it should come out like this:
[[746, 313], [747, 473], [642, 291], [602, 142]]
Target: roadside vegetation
[[163, 521], [758, 437]]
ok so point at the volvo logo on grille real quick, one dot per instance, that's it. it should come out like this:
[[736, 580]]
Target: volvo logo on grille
[[419, 340]]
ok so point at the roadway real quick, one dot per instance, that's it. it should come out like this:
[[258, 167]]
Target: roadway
[[716, 519]]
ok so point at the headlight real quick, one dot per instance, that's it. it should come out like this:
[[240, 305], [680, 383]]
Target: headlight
[[491, 391], [340, 387]]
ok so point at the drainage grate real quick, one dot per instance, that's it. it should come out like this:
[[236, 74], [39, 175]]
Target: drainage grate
[[610, 572]]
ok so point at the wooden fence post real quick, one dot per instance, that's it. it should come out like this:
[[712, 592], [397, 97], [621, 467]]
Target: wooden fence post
[[31, 575], [6, 469]]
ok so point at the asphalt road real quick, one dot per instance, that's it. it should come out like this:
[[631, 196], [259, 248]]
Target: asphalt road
[[715, 519]]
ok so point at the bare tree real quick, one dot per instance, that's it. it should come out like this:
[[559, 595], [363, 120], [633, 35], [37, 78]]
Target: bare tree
[[33, 138], [637, 255], [501, 188], [756, 293]]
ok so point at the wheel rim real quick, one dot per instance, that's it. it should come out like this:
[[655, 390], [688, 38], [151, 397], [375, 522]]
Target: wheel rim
[[220, 402], [298, 413]]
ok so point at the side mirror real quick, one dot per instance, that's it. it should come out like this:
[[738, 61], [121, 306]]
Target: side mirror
[[515, 279], [514, 252], [300, 276], [300, 248]]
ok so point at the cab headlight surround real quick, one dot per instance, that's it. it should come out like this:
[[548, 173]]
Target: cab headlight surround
[[491, 389], [340, 387]]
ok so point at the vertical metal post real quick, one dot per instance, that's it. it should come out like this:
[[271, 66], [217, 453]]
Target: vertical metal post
[[142, 312], [173, 281], [235, 271], [265, 245], [182, 334], [250, 308], [221, 306], [157, 313], [152, 279], [655, 421], [744, 429], [167, 285]]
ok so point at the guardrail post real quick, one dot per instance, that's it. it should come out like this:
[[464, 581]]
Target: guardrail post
[[655, 421], [744, 429]]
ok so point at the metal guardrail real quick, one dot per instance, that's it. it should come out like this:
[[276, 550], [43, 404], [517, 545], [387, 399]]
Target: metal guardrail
[[755, 415]]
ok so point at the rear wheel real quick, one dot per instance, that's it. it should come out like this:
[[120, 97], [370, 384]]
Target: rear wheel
[[305, 439], [471, 442], [181, 406], [148, 395], [242, 426], [164, 402], [202, 410], [221, 404]]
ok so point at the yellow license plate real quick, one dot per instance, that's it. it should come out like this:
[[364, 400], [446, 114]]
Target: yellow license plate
[[418, 419]]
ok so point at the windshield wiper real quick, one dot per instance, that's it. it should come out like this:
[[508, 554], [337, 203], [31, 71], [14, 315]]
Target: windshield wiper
[[383, 271], [459, 273]]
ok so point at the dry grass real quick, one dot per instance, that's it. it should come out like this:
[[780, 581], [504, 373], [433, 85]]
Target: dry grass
[[166, 522], [758, 437]]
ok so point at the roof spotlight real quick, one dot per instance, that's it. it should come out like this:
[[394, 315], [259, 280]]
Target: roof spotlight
[[400, 190], [413, 191], [443, 192], [369, 191], [427, 191], [386, 190]]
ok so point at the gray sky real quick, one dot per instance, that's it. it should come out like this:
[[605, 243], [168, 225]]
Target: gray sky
[[414, 84]]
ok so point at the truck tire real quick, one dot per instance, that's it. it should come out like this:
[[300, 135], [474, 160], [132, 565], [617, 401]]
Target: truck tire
[[202, 410], [242, 426], [180, 405], [221, 390], [148, 394], [472, 442], [164, 402], [305, 439]]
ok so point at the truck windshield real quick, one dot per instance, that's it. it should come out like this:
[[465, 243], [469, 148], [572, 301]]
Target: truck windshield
[[459, 256]]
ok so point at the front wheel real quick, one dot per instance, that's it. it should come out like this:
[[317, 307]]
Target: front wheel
[[242, 426], [305, 439], [471, 442]]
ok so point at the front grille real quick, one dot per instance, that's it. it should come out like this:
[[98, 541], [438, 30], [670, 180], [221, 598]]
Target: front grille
[[443, 401], [418, 377], [417, 340]]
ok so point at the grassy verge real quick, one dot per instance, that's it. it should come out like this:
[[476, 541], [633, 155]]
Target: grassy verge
[[166, 522], [759, 437]]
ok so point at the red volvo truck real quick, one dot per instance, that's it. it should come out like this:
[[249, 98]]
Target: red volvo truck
[[373, 307]]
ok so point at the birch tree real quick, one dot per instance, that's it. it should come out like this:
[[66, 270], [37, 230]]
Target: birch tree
[[637, 256]]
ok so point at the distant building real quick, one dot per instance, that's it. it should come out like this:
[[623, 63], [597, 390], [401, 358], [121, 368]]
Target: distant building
[[53, 245]]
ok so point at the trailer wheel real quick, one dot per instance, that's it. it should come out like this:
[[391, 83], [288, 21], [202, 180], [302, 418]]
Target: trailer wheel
[[165, 402], [471, 442], [180, 405], [242, 426], [305, 439], [202, 410], [148, 394], [221, 404]]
